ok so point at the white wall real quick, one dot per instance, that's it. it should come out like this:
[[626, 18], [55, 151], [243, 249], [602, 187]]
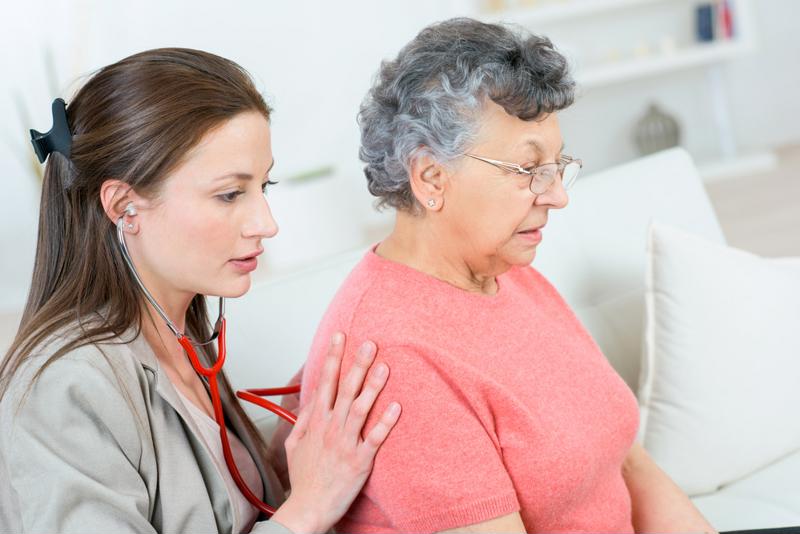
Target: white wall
[[764, 86], [314, 59]]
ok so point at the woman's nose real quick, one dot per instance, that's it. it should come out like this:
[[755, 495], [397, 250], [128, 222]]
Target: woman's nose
[[261, 223], [556, 196]]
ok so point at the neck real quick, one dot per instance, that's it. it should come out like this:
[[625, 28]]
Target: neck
[[176, 313], [158, 335], [422, 245]]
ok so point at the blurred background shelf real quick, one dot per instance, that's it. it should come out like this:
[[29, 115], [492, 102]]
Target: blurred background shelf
[[591, 18], [627, 55], [542, 13], [653, 65]]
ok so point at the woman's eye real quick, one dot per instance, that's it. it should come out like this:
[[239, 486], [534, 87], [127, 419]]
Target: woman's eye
[[230, 197], [265, 184]]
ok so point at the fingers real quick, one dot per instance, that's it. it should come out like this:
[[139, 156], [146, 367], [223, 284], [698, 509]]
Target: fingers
[[351, 400], [377, 435], [329, 378], [301, 425], [351, 386], [363, 404]]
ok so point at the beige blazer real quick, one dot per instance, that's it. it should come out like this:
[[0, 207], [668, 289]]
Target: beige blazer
[[102, 443]]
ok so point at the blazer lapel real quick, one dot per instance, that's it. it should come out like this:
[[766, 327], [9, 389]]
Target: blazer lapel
[[141, 351], [273, 490]]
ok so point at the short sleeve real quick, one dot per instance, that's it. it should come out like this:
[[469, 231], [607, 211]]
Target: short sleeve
[[71, 449], [439, 468]]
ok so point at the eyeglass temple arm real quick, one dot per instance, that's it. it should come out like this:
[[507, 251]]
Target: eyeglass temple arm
[[500, 164]]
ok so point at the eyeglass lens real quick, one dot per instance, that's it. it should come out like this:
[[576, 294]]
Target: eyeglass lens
[[546, 175]]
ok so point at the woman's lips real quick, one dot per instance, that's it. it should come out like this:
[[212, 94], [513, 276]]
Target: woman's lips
[[533, 236], [246, 265]]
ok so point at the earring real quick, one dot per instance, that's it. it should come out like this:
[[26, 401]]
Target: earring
[[130, 226], [431, 203]]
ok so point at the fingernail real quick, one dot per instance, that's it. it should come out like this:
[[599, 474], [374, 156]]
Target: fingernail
[[394, 408], [367, 348], [381, 370], [337, 338]]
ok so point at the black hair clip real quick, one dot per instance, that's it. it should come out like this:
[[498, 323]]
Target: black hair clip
[[58, 139]]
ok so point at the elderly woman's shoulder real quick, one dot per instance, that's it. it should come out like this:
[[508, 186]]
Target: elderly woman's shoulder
[[527, 278]]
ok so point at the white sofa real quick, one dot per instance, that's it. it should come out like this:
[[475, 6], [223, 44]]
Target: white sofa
[[594, 253]]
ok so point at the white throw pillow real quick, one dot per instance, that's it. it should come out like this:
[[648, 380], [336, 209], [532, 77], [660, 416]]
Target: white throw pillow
[[720, 382]]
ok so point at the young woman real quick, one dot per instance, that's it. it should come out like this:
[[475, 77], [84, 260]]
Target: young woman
[[153, 198]]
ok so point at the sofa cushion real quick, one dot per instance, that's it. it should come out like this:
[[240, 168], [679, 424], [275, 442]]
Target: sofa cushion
[[769, 498], [719, 389]]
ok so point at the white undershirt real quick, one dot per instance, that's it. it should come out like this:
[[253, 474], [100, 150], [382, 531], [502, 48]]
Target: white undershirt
[[244, 514]]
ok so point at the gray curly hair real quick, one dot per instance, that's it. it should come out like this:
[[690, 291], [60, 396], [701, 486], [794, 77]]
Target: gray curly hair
[[429, 98]]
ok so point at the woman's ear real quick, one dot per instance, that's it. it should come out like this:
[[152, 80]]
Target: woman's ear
[[428, 179], [120, 200]]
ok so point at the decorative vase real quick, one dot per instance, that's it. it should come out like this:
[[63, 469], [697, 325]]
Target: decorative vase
[[656, 131]]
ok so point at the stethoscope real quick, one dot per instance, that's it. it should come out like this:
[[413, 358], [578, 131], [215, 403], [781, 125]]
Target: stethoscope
[[250, 395]]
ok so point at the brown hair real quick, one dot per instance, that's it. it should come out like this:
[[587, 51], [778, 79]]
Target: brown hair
[[135, 121]]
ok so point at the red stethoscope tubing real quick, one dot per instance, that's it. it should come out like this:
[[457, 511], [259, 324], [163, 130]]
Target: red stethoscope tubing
[[250, 395]]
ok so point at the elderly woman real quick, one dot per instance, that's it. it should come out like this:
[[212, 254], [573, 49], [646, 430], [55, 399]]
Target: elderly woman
[[513, 419]]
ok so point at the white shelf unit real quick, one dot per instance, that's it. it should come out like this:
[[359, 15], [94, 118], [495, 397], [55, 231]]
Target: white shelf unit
[[682, 58], [694, 55], [554, 11]]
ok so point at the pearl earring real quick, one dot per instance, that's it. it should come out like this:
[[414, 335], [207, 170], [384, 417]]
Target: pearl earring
[[431, 203]]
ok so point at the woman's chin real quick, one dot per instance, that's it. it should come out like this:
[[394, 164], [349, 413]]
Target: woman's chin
[[233, 289], [524, 257]]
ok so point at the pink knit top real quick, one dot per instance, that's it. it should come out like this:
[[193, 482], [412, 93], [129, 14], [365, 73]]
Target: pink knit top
[[508, 405]]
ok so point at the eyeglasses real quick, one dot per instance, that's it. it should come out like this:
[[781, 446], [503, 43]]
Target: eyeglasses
[[542, 176]]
